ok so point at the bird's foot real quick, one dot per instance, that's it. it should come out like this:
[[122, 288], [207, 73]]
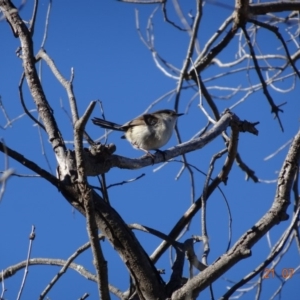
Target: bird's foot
[[152, 156], [148, 154], [162, 153]]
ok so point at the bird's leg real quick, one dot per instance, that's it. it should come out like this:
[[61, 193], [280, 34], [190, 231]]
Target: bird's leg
[[152, 156]]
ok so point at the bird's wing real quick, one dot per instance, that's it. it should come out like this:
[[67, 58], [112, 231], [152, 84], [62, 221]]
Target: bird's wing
[[150, 119], [135, 122]]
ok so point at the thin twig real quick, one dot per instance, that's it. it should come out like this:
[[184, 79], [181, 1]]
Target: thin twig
[[65, 110], [190, 51], [126, 181], [296, 204], [46, 24], [203, 204], [214, 37], [3, 286], [208, 97], [185, 66], [221, 177], [13, 269], [156, 233], [22, 175], [66, 266], [274, 108], [44, 153], [103, 117], [249, 172], [283, 282], [84, 296], [227, 206], [164, 66], [210, 119], [7, 173], [4, 112], [274, 252], [33, 18], [68, 85], [278, 150], [275, 30], [20, 87], [31, 238], [259, 287], [168, 20], [104, 188], [202, 62]]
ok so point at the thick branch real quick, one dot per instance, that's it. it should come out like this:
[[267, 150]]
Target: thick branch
[[101, 162], [87, 197], [29, 164], [273, 7], [20, 30], [148, 281], [241, 249]]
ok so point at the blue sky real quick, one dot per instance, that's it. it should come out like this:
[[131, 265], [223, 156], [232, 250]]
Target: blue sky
[[100, 41]]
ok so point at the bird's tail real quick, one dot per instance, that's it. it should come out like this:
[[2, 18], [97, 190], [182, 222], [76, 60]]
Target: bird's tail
[[106, 124]]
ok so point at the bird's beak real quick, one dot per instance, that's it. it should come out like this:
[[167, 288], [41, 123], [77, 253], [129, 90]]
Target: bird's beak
[[178, 115]]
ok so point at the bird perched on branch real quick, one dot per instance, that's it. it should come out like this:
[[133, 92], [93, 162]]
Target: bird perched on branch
[[147, 132]]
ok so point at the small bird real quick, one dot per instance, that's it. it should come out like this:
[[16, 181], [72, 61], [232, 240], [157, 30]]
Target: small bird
[[147, 132]]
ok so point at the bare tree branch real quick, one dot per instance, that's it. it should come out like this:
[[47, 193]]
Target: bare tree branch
[[19, 28], [87, 197], [66, 266], [31, 238], [274, 108], [221, 177], [242, 248]]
